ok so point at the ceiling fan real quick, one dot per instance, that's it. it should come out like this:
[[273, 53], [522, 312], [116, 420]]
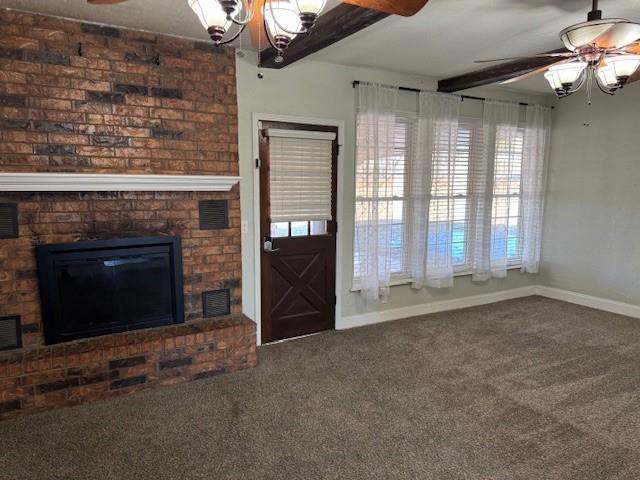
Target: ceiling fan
[[273, 22], [604, 51]]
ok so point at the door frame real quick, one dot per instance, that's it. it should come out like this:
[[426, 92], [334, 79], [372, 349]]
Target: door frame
[[256, 239]]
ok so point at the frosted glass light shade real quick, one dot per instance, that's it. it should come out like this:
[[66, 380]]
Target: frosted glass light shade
[[211, 14], [624, 65], [607, 76], [568, 73], [554, 80], [587, 33], [282, 19], [310, 6]]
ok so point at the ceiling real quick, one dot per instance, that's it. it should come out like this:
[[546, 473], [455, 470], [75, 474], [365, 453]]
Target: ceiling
[[442, 40]]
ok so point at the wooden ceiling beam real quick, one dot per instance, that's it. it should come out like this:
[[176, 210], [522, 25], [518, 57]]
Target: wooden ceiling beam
[[496, 73], [406, 8], [338, 23]]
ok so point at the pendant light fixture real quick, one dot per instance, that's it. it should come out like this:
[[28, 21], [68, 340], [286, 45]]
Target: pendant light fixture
[[218, 16], [309, 11], [282, 20]]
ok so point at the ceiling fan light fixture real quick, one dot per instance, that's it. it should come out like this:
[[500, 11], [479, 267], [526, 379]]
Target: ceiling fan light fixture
[[623, 66], [568, 73], [607, 77], [583, 34], [554, 81]]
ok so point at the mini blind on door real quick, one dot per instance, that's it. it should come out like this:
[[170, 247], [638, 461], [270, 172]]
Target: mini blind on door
[[300, 174]]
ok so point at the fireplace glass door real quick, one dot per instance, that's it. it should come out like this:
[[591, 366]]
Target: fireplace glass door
[[95, 291]]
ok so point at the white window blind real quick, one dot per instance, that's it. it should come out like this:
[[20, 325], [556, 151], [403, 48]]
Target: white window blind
[[388, 180], [506, 216], [300, 175], [453, 188]]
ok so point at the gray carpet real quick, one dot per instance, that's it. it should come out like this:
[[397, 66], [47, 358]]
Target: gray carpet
[[526, 389]]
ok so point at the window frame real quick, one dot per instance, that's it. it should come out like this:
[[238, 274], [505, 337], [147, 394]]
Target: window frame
[[459, 270], [410, 120], [513, 262]]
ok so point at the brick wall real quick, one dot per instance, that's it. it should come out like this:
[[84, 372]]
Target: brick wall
[[77, 97]]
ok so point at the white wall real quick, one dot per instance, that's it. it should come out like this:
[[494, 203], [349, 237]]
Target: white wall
[[592, 224], [313, 89]]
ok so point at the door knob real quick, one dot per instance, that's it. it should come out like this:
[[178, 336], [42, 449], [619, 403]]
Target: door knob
[[268, 246]]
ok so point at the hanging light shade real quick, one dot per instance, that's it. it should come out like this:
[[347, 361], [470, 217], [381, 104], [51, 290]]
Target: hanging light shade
[[568, 73], [309, 11], [310, 6], [213, 17], [563, 76], [283, 22], [623, 66], [554, 80], [607, 77]]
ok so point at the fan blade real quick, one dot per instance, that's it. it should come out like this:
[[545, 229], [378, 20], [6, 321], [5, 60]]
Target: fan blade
[[532, 73], [540, 55], [497, 73], [406, 8], [619, 35], [635, 49], [258, 36], [105, 2]]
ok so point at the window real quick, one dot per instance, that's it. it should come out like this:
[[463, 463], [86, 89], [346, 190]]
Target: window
[[506, 218], [450, 192], [386, 196], [450, 195], [300, 181]]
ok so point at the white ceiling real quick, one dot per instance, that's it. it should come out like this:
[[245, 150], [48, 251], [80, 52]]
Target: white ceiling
[[442, 40]]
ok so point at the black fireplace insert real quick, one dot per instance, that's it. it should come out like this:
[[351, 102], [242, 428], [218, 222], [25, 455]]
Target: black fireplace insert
[[108, 286]]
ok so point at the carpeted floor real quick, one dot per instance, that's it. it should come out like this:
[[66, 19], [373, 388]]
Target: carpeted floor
[[529, 389]]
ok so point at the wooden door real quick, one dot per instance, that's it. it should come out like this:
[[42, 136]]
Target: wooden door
[[298, 276]]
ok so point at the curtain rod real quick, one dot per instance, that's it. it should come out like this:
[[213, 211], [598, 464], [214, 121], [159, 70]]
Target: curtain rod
[[417, 90]]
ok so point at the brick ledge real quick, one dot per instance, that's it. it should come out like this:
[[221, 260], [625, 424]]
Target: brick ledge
[[35, 379]]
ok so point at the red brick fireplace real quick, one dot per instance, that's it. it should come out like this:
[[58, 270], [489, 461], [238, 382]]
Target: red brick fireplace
[[84, 98]]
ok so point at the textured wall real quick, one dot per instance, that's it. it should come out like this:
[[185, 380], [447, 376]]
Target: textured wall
[[592, 223]]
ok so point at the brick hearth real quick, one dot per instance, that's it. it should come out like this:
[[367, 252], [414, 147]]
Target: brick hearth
[[77, 97], [36, 379]]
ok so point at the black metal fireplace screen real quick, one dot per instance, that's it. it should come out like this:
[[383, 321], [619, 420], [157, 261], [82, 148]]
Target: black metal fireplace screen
[[95, 288]]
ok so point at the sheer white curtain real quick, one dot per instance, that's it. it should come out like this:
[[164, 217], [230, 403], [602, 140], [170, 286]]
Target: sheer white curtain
[[537, 137], [375, 170], [431, 181], [489, 244]]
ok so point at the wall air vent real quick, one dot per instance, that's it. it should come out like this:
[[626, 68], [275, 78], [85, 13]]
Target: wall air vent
[[10, 334], [214, 214], [216, 303], [8, 220]]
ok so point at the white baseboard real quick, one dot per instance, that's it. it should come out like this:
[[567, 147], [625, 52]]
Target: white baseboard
[[598, 303], [434, 307]]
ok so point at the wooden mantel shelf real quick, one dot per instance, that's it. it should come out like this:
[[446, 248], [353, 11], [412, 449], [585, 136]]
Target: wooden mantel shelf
[[96, 182]]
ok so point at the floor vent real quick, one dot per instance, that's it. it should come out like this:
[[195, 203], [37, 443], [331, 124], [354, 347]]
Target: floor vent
[[214, 214], [10, 335], [8, 220], [216, 303]]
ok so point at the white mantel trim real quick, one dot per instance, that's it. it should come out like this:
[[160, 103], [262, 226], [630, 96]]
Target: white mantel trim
[[96, 182]]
